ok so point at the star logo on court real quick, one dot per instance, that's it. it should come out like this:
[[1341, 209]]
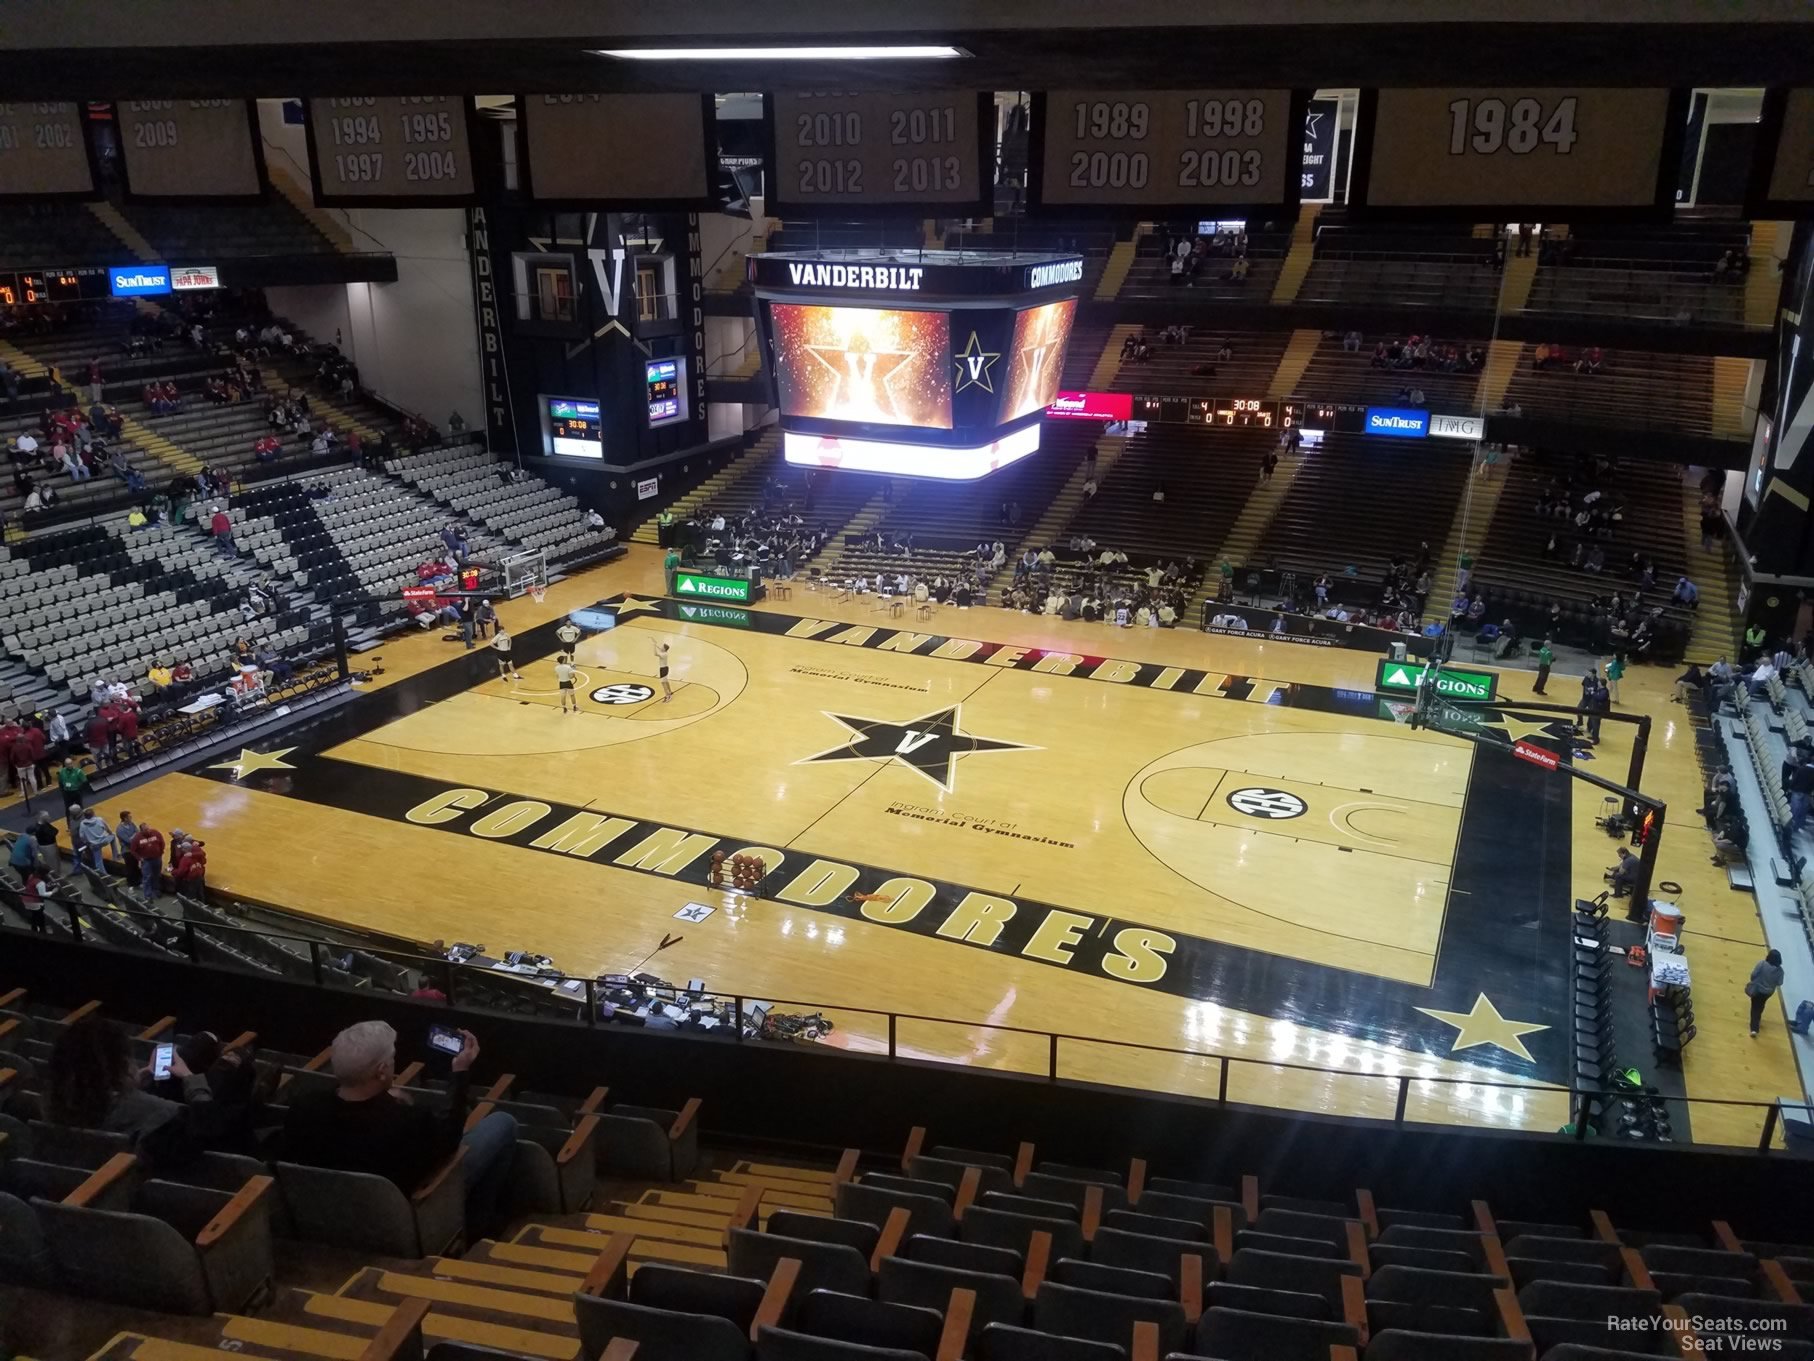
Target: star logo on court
[[251, 762], [929, 746], [1484, 1025], [973, 365], [630, 605]]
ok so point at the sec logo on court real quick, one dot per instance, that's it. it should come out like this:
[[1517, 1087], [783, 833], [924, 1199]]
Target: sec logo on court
[[622, 694], [1276, 804]]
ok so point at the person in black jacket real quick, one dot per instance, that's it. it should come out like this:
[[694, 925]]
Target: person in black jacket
[[363, 1125]]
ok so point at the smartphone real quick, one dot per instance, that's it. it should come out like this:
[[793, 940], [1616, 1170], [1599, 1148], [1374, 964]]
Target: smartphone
[[161, 1058], [445, 1040]]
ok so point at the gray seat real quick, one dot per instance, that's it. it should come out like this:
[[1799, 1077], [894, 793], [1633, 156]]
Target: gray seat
[[1072, 1172], [1525, 1270], [1557, 1248], [1552, 1333], [952, 1173], [659, 1334], [1784, 1320], [1278, 1271], [872, 1204], [1253, 1299], [1235, 1332], [75, 1147], [1301, 1224], [1198, 1190], [823, 1266], [1014, 1203], [1443, 1289], [909, 1186], [924, 1247], [1147, 1252], [1159, 1226], [1197, 1209], [1114, 1280], [658, 1286], [1433, 1259], [998, 1298], [1297, 1247], [156, 1254], [633, 1141], [783, 1344], [1001, 1229], [1470, 1245], [824, 1229], [1566, 1299], [1004, 1342], [870, 1323], [1072, 1190], [359, 1210], [24, 1253], [1101, 1317], [1399, 1344], [553, 1174]]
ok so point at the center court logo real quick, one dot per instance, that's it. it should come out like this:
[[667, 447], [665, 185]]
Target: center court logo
[[622, 693], [1273, 804]]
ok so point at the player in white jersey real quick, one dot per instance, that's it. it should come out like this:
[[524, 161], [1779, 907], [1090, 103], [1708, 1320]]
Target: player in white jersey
[[500, 644], [661, 670]]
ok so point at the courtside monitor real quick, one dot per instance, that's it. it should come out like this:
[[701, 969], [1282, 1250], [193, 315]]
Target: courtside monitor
[[914, 363]]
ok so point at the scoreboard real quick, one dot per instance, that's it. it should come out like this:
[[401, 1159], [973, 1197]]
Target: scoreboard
[[647, 151], [913, 153], [1496, 152], [190, 148], [1174, 151], [19, 287], [390, 152], [44, 152], [1236, 412]]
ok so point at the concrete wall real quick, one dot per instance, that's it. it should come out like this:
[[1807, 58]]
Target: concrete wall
[[415, 341]]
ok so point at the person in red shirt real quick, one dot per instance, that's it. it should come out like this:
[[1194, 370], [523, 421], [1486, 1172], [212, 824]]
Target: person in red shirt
[[190, 869], [100, 736], [222, 528], [23, 754], [148, 850]]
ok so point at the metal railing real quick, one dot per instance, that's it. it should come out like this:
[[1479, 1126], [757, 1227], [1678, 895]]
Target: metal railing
[[1399, 1098]]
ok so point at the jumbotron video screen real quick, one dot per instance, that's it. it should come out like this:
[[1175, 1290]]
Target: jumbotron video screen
[[871, 365], [1041, 336]]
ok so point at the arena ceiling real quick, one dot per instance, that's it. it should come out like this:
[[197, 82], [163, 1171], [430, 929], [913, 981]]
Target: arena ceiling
[[134, 49]]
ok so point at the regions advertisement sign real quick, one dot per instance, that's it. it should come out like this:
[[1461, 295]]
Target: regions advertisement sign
[[695, 586], [1458, 683], [1093, 406], [1403, 421], [139, 281]]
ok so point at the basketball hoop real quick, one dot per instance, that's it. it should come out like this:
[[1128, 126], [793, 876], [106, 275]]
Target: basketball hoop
[[538, 590]]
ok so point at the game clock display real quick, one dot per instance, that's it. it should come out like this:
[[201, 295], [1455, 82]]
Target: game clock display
[[1236, 412], [1179, 150], [664, 385], [18, 287]]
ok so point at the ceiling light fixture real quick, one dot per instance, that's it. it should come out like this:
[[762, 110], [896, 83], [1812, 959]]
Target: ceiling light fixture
[[895, 52]]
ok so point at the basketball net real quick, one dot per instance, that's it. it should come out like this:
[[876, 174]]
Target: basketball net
[[537, 591]]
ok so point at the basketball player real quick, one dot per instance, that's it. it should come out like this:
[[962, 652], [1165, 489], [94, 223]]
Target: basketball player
[[500, 643], [661, 670], [563, 673], [568, 633]]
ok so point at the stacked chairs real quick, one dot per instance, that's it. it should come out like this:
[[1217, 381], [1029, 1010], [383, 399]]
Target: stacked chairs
[[1595, 1057]]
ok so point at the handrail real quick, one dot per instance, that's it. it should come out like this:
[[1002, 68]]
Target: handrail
[[1580, 1099]]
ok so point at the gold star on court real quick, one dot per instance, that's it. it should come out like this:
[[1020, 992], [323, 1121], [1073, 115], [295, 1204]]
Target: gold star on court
[[1484, 1025], [250, 762], [630, 605], [1518, 726]]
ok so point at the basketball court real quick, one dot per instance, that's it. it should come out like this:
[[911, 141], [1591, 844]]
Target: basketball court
[[995, 826]]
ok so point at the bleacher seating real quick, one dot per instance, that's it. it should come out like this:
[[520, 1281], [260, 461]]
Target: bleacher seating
[[226, 230], [1338, 375], [1361, 501], [1208, 475], [52, 234], [1663, 273], [1633, 388], [1404, 265], [1167, 372], [527, 511], [73, 498], [1150, 274], [1520, 581], [707, 1254]]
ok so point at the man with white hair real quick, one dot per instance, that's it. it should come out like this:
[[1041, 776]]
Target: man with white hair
[[364, 1125]]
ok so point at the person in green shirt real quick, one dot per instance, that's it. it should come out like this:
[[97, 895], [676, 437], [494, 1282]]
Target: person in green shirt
[[73, 781], [1614, 670], [669, 566], [1545, 660]]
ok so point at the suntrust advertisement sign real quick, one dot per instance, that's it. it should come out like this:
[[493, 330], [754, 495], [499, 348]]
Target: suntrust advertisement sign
[[1403, 421], [138, 281], [1093, 406]]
